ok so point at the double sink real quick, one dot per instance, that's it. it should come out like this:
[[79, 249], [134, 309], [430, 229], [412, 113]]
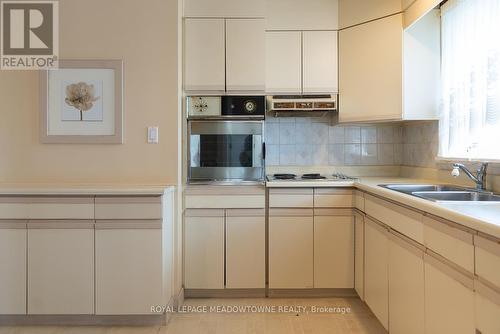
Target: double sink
[[444, 193]]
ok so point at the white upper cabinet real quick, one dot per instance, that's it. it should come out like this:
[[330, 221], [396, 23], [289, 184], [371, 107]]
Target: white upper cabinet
[[283, 62], [354, 12], [245, 55], [302, 14], [204, 63], [320, 69], [385, 76], [371, 71], [224, 8]]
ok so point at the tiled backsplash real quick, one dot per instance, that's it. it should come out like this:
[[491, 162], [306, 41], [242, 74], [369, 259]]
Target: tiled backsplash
[[301, 141], [321, 141]]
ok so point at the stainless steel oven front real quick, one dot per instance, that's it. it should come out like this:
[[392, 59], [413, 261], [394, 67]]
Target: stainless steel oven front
[[226, 150]]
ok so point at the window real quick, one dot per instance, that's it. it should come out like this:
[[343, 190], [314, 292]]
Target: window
[[470, 113]]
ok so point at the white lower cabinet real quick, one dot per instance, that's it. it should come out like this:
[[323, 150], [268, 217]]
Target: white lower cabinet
[[129, 274], [291, 248], [13, 264], [204, 249], [333, 249], [449, 299], [60, 267], [406, 287], [376, 270], [245, 248], [359, 255], [487, 305]]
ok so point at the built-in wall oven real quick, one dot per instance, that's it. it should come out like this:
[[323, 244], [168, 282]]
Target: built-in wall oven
[[226, 138]]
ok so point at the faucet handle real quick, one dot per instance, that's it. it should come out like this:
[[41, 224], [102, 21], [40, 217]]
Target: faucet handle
[[455, 172]]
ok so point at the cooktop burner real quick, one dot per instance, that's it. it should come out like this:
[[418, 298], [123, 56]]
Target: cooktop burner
[[314, 176], [284, 176]]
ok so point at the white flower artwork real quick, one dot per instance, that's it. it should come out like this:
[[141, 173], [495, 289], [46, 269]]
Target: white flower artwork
[[82, 101]]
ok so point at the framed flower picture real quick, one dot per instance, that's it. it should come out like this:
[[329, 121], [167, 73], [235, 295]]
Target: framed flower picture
[[81, 102]]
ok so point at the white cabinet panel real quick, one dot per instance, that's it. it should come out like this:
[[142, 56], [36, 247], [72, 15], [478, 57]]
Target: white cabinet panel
[[371, 71], [129, 271], [283, 62], [376, 270], [320, 65], [204, 57], [61, 271], [487, 303], [302, 15], [359, 255], [291, 198], [406, 221], [245, 55], [406, 287], [333, 198], [333, 252], [224, 8], [127, 207], [245, 249], [204, 249], [13, 264], [290, 251], [487, 252], [453, 243], [449, 300]]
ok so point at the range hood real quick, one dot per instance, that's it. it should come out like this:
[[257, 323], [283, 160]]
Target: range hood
[[301, 105]]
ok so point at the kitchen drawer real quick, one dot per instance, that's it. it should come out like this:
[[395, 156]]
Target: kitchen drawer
[[333, 198], [67, 207], [291, 198], [359, 200], [225, 197], [14, 207], [128, 207], [450, 241], [488, 259], [403, 220]]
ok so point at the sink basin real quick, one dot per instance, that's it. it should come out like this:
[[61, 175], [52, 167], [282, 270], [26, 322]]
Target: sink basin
[[411, 188], [457, 196]]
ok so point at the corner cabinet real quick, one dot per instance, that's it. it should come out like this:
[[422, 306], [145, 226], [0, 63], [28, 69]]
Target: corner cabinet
[[224, 55], [301, 62], [387, 73]]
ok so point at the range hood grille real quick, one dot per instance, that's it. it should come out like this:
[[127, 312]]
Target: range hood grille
[[302, 105]]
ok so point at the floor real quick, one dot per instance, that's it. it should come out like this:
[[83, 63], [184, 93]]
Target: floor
[[249, 316]]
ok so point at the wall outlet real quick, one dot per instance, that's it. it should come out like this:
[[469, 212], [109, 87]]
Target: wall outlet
[[152, 135]]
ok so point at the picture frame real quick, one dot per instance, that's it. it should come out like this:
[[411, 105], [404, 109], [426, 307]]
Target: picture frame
[[82, 102]]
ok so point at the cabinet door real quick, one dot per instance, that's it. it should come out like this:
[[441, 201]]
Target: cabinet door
[[371, 71], [449, 299], [290, 252], [333, 252], [245, 55], [13, 264], [129, 270], [204, 63], [60, 268], [320, 65], [283, 62], [204, 249], [376, 271], [487, 304], [406, 287], [245, 249], [359, 255]]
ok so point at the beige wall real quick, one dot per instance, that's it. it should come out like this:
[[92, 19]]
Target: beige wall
[[143, 34]]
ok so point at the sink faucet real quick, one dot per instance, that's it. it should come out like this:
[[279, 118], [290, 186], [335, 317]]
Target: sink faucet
[[479, 178]]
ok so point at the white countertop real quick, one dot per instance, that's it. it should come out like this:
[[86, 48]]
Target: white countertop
[[483, 217], [83, 189]]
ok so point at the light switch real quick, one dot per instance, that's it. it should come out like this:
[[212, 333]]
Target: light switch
[[152, 134]]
